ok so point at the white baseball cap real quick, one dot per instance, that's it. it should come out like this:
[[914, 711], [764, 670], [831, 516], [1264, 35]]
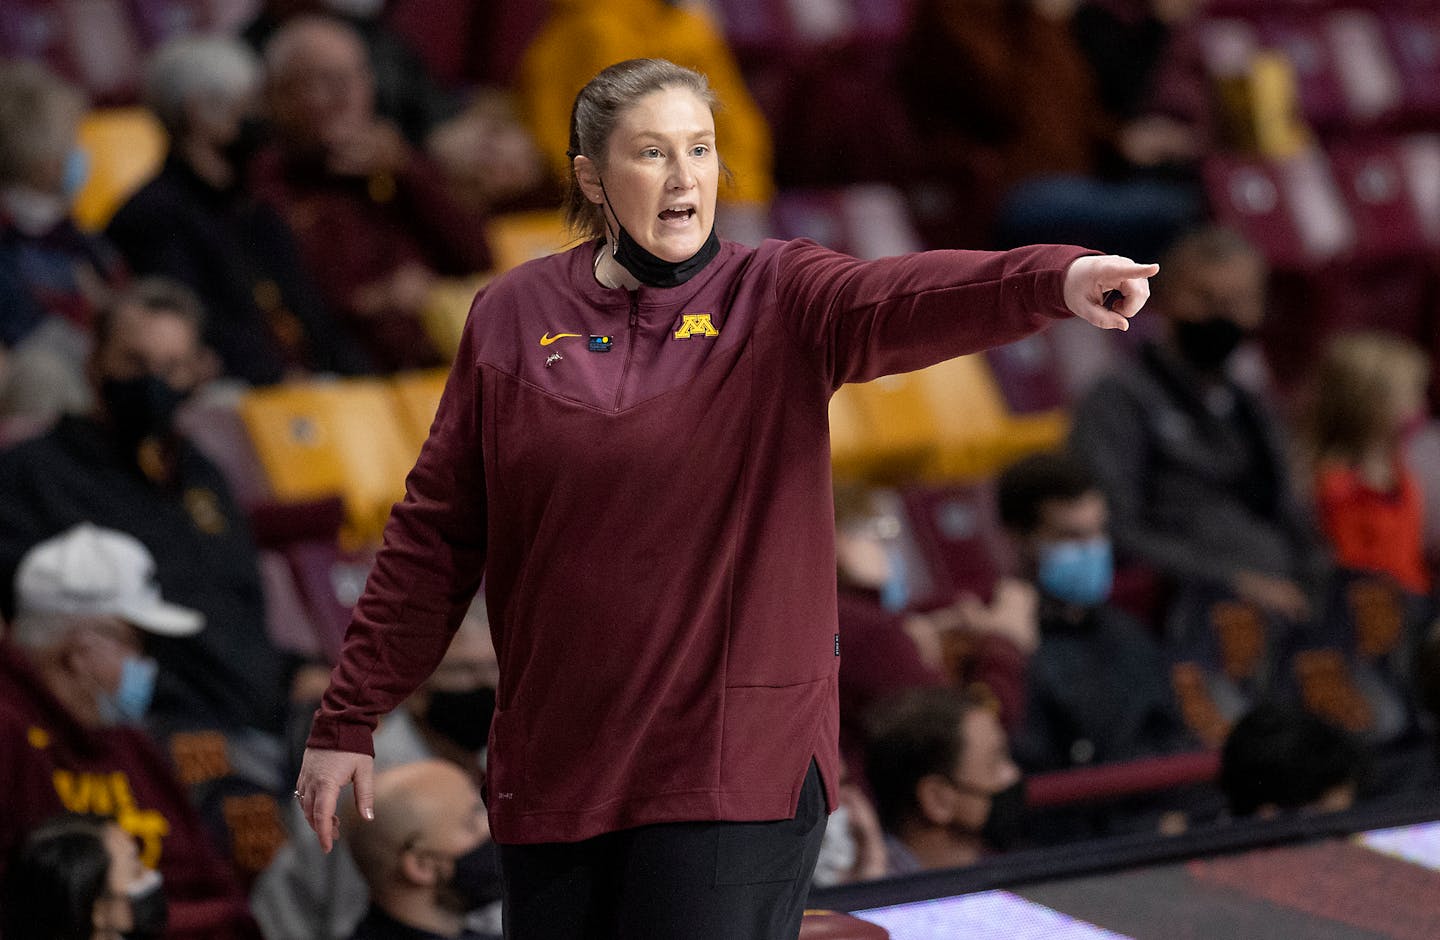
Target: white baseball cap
[[92, 571]]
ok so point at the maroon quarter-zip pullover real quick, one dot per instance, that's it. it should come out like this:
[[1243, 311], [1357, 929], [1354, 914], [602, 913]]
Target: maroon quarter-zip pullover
[[644, 477]]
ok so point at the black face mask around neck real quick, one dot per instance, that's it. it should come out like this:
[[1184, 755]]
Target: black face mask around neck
[[1207, 344], [655, 271]]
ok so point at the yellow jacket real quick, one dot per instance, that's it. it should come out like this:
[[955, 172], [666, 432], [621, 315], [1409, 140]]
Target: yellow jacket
[[581, 38]]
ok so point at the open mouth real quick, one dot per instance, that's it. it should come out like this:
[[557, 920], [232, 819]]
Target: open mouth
[[677, 215]]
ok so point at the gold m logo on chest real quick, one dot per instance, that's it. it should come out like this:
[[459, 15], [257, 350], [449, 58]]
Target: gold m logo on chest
[[695, 324]]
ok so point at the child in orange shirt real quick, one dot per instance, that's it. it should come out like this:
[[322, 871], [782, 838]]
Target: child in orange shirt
[[1369, 398]]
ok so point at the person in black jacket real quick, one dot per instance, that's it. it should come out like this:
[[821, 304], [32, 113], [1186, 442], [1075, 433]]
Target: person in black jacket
[[196, 222], [1098, 688]]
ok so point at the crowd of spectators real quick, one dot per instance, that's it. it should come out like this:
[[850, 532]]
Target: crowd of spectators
[[1208, 563]]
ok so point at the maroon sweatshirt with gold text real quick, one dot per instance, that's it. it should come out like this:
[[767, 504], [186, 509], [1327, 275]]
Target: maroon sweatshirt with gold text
[[644, 479]]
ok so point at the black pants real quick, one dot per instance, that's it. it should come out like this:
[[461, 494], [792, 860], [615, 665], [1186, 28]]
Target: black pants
[[696, 881]]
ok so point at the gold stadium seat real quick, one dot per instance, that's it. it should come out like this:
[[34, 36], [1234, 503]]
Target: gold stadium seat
[[518, 237], [886, 433], [342, 437], [975, 434], [126, 147], [945, 423], [417, 395], [446, 307]]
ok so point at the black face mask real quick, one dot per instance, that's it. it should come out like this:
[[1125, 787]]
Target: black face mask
[[1206, 344], [1006, 823], [249, 138], [475, 882], [655, 271], [462, 717], [141, 407], [149, 914]]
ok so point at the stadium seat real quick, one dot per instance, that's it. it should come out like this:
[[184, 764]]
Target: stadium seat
[[287, 622], [1421, 156], [441, 32], [1029, 375], [1375, 182], [417, 396], [215, 428], [447, 306], [126, 147], [865, 220], [1414, 40], [327, 438], [975, 432], [957, 530], [329, 583], [1346, 75], [882, 431], [158, 20], [91, 42], [1292, 209], [519, 237]]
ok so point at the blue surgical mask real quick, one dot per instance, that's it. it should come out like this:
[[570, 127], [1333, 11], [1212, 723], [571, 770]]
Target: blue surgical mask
[[76, 172], [1078, 571], [895, 592], [130, 702]]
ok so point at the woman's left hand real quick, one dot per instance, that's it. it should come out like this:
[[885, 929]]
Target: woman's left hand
[[1091, 278]]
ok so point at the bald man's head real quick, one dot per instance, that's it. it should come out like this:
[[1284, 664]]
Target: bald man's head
[[425, 807], [319, 81]]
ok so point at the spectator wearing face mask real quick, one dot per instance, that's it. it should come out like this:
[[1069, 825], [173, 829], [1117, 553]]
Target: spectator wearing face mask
[[74, 686], [306, 892], [1057, 517], [222, 696], [53, 277], [81, 878], [197, 222], [946, 788], [1193, 464], [448, 717], [427, 854]]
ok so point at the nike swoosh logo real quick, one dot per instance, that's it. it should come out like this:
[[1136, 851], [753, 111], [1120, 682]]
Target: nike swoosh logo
[[547, 339]]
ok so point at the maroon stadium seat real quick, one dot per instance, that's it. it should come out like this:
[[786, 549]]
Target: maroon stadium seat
[[867, 221], [1029, 374], [1414, 39], [216, 429], [957, 530], [287, 622], [1375, 182], [1292, 209], [91, 42]]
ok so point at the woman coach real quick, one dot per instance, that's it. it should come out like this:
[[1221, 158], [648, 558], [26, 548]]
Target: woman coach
[[633, 448]]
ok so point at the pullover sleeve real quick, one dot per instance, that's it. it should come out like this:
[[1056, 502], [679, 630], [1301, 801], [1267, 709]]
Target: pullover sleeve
[[425, 575], [864, 319]]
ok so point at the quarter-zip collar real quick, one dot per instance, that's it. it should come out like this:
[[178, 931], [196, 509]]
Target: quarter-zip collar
[[646, 299]]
